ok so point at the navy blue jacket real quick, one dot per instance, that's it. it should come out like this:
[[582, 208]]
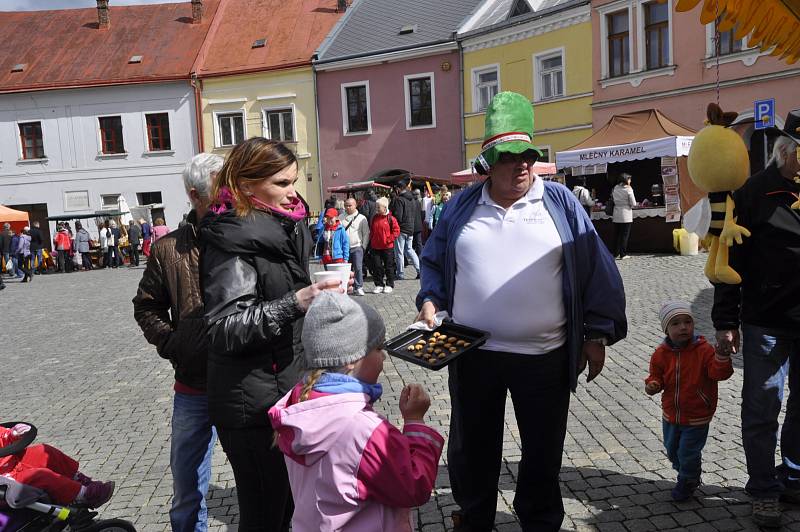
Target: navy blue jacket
[[594, 297]]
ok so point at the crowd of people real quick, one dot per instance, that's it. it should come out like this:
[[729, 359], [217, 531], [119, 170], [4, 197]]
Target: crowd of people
[[284, 371]]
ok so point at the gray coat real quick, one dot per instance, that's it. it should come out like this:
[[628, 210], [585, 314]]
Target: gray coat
[[134, 235], [82, 241]]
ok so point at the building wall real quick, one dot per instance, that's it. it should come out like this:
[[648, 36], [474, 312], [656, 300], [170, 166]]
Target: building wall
[[74, 162], [255, 93], [559, 122], [683, 91], [432, 151]]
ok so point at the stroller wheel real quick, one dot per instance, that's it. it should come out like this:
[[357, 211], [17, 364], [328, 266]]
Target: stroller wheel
[[110, 525]]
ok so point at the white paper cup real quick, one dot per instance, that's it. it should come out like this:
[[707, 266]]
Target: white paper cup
[[318, 277], [343, 269]]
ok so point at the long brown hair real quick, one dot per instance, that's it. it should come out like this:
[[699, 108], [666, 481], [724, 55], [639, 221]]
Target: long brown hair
[[255, 159]]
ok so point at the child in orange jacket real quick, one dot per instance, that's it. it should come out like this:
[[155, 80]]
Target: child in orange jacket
[[686, 368]]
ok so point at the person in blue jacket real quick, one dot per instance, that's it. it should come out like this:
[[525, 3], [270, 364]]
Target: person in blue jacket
[[336, 244], [518, 257]]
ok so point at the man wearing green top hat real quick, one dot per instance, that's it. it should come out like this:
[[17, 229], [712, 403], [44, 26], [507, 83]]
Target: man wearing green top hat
[[518, 257]]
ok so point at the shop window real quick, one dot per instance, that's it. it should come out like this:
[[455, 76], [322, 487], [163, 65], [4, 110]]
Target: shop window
[[158, 132], [109, 201], [230, 129], [486, 84], [550, 82], [356, 108], [619, 62], [111, 135], [280, 124], [30, 134], [656, 29], [420, 104]]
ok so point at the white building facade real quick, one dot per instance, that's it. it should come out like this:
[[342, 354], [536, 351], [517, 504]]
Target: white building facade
[[76, 151]]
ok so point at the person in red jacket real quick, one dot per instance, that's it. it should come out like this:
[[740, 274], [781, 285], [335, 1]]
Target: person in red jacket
[[383, 231], [52, 471], [687, 369]]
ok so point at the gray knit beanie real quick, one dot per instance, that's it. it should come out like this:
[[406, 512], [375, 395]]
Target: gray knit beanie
[[339, 330], [670, 309]]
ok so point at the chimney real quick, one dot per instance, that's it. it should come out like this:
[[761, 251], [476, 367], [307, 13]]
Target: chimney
[[104, 22], [197, 11], [341, 6]]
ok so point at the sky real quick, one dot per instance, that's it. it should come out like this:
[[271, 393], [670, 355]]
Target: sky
[[33, 5]]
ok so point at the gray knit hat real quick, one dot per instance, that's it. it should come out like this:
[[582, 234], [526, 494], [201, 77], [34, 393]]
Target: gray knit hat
[[670, 309], [339, 330]]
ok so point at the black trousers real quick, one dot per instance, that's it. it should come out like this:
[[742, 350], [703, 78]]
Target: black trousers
[[622, 232], [417, 244], [262, 484], [87, 261], [134, 255], [383, 264], [539, 386]]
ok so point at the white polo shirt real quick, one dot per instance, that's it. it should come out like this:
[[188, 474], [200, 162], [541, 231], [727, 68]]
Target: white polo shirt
[[509, 275]]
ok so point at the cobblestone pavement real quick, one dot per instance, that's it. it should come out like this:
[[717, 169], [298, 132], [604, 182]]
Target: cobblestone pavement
[[75, 364]]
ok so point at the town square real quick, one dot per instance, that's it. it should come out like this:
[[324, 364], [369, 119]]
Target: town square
[[362, 265]]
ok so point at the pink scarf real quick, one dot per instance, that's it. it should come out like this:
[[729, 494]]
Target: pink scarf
[[225, 199]]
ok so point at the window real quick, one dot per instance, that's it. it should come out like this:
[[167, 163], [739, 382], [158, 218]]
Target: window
[[280, 124], [231, 128], [728, 43], [487, 85], [355, 108], [76, 200], [30, 135], [656, 28], [420, 105], [158, 132], [109, 201], [545, 158], [148, 198], [618, 44], [111, 135], [550, 75]]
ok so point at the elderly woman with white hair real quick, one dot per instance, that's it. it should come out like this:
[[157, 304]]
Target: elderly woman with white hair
[[169, 309], [767, 307]]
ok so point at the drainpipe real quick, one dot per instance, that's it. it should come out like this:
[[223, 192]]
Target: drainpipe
[[198, 115], [316, 116], [461, 101]]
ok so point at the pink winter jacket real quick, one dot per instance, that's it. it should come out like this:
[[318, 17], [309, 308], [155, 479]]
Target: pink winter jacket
[[349, 468]]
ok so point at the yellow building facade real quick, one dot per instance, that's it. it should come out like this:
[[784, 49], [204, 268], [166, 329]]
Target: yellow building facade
[[279, 104], [548, 59]]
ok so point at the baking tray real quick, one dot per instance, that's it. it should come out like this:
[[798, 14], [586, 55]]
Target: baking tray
[[398, 346]]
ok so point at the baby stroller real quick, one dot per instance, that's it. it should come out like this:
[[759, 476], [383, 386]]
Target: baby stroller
[[25, 508]]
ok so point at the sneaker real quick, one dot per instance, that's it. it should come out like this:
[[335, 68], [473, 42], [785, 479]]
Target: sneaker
[[684, 489], [377, 290], [388, 290], [358, 292], [82, 479], [96, 494], [767, 512]]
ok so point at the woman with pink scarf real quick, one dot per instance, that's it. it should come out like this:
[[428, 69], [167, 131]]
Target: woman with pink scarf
[[255, 247]]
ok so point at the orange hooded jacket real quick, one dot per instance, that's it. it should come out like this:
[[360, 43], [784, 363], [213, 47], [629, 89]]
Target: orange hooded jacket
[[688, 378]]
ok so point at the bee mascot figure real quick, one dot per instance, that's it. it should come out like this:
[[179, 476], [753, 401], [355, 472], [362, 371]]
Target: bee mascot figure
[[718, 164]]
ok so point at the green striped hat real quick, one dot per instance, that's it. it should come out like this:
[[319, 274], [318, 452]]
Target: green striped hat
[[508, 129]]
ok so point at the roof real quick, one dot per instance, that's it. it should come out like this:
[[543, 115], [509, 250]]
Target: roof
[[293, 30], [64, 48], [495, 14], [649, 124], [373, 26]]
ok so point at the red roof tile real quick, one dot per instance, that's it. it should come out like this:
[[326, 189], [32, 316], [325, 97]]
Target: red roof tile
[[294, 29], [65, 48]]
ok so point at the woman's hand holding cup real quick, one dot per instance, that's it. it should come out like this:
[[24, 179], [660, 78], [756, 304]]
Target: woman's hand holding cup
[[306, 295]]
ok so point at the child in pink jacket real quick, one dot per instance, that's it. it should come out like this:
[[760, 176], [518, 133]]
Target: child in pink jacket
[[349, 468]]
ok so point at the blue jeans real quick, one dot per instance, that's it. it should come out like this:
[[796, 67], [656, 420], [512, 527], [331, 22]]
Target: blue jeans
[[404, 244], [357, 260], [193, 439], [769, 357], [37, 259], [684, 445]]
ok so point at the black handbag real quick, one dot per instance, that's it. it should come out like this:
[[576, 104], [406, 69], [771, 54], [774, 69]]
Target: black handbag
[[610, 205]]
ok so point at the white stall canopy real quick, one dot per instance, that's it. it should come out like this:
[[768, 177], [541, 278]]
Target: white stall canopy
[[645, 149]]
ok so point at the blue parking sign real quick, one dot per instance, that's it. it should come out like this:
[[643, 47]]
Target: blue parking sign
[[764, 113]]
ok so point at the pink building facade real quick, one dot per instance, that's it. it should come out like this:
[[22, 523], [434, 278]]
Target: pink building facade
[[649, 56], [413, 109]]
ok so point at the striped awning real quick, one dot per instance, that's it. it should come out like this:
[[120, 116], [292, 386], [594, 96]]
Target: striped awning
[[768, 23]]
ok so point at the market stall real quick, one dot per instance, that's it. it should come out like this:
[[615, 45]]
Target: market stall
[[17, 219], [650, 147], [93, 227]]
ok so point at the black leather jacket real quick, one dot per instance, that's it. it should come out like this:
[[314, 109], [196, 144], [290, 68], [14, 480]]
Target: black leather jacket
[[250, 269]]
